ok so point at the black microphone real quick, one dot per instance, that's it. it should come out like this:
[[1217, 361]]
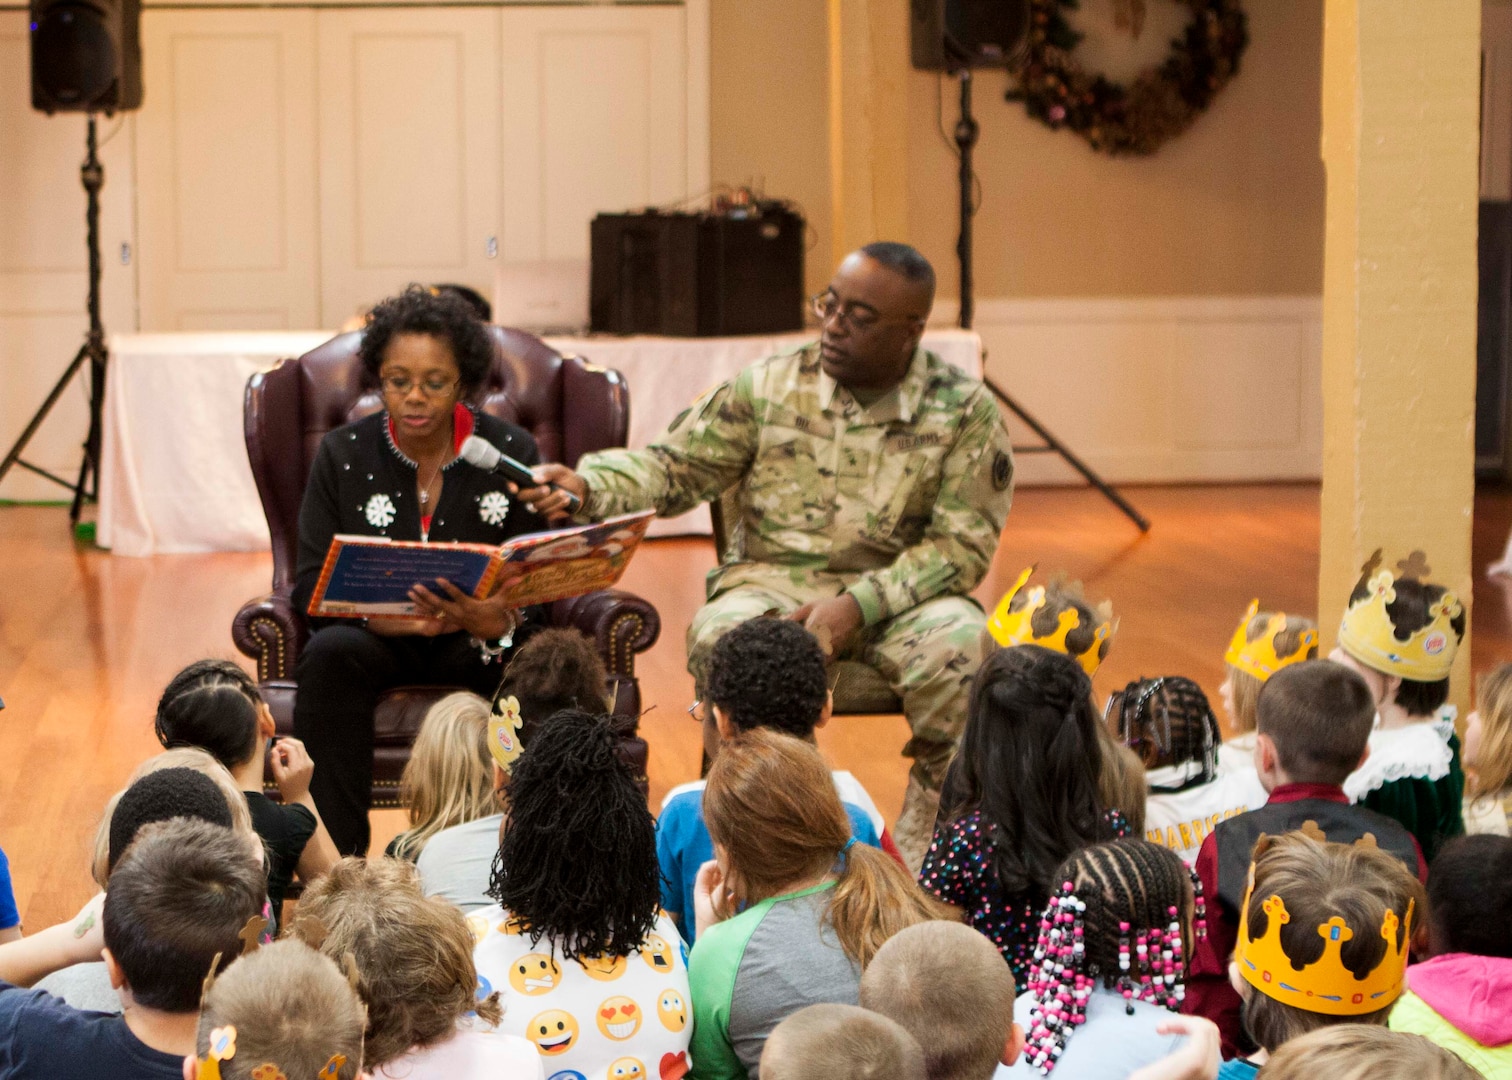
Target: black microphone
[[485, 455]]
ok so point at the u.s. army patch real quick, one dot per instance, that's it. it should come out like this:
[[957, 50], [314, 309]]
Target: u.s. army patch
[[1002, 471]]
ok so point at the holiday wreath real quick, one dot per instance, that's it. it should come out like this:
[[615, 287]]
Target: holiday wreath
[[1158, 105]]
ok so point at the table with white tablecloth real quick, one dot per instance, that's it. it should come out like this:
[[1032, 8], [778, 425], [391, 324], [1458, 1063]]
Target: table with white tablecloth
[[175, 477]]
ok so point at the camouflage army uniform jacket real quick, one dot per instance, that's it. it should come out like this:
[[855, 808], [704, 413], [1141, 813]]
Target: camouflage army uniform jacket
[[896, 503]]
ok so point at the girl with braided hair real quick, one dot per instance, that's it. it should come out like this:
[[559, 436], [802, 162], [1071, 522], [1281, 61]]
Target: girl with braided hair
[[215, 706], [1110, 959], [587, 966], [1169, 724], [1021, 795]]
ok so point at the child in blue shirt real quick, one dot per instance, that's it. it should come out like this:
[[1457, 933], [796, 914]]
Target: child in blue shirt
[[10, 918], [766, 673]]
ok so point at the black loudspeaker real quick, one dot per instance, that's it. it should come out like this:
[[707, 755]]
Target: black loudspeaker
[[697, 275], [948, 35], [86, 55]]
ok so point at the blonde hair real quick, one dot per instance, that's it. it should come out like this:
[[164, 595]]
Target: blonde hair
[[1364, 1052], [1493, 764], [1318, 880], [952, 990], [448, 779], [1121, 783], [1246, 687], [291, 1008], [414, 953], [184, 757], [822, 1042], [771, 804]]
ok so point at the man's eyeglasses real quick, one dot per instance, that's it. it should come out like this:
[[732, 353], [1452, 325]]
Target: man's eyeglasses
[[827, 306], [401, 385], [695, 710]]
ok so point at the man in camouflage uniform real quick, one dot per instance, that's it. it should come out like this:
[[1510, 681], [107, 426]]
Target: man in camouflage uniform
[[871, 482]]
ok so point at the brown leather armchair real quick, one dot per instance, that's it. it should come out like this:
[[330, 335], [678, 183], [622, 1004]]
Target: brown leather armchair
[[569, 406]]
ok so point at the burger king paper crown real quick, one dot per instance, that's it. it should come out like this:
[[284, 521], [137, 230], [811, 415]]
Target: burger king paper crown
[[504, 732], [1368, 634], [1326, 986], [1011, 628], [1259, 657]]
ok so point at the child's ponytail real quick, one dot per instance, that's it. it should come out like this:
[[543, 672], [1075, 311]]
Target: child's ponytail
[[874, 899]]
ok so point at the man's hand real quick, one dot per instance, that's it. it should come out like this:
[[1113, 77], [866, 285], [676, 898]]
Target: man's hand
[[833, 622], [292, 769], [551, 503], [487, 619]]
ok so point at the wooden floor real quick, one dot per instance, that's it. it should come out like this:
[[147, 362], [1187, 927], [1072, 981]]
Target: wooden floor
[[88, 640]]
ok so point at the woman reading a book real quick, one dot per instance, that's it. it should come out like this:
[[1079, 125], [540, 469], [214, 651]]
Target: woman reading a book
[[397, 474]]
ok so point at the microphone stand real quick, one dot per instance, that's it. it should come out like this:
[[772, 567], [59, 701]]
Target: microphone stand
[[967, 132], [93, 352]]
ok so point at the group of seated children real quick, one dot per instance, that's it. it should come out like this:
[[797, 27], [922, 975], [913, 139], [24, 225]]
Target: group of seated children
[[1103, 897]]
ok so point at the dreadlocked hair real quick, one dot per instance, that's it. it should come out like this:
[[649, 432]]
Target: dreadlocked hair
[[577, 861], [1168, 721], [1124, 916], [212, 705], [1031, 762]]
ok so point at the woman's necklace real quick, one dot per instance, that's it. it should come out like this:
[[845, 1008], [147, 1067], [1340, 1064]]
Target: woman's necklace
[[425, 488]]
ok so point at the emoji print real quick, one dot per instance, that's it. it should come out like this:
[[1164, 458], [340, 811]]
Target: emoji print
[[674, 1066], [657, 954], [478, 926], [534, 974], [567, 1074], [626, 1069], [553, 1032], [603, 968], [619, 1017], [672, 1011]]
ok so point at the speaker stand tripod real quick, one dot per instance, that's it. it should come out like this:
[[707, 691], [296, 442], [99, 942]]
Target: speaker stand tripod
[[966, 134], [92, 352]]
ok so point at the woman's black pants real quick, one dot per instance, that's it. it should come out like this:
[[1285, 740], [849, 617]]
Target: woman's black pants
[[342, 672]]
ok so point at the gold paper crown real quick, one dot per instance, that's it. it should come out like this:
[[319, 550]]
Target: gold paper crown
[[1327, 986], [1258, 657], [1011, 628], [1368, 634], [504, 732]]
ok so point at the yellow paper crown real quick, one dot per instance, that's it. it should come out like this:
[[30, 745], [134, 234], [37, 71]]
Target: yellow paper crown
[[1368, 634], [504, 732], [1327, 986], [1011, 628], [1258, 657]]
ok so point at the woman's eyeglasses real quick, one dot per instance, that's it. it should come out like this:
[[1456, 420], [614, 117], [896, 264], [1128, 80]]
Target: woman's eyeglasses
[[401, 385]]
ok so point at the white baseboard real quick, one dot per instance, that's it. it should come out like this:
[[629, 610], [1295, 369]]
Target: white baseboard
[[1162, 389]]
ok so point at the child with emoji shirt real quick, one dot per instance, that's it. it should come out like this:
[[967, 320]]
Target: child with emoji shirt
[[587, 966]]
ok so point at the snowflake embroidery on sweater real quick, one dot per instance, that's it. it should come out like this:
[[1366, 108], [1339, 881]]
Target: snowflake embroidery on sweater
[[380, 511], [493, 507]]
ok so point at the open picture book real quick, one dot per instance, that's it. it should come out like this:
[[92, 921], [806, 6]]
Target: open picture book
[[369, 577]]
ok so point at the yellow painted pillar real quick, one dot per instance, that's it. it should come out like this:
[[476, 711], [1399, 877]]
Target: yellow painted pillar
[[1401, 100], [868, 121]]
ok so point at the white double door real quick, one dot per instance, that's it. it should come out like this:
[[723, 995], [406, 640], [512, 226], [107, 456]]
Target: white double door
[[294, 166]]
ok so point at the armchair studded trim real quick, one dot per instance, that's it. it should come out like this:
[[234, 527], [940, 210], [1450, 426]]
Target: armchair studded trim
[[271, 633]]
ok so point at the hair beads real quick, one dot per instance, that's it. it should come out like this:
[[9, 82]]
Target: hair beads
[[1117, 917]]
